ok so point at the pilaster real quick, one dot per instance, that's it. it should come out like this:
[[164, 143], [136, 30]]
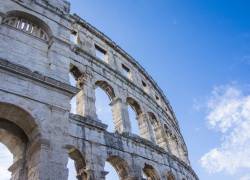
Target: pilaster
[[85, 99], [145, 131], [120, 115]]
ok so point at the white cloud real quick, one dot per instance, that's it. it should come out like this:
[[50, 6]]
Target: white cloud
[[229, 113]]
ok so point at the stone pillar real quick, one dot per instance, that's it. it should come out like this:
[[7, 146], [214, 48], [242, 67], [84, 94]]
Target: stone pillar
[[161, 138], [181, 152], [84, 174], [137, 171], [120, 115], [143, 123], [45, 162], [173, 146], [85, 99], [17, 170]]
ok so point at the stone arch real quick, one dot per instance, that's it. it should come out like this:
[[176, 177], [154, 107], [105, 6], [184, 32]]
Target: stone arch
[[154, 127], [170, 176], [105, 92], [75, 72], [151, 172], [16, 141], [80, 163], [77, 79], [136, 127], [135, 105], [19, 117], [120, 165], [106, 87], [18, 130], [14, 138], [175, 143], [153, 119], [171, 139], [28, 23]]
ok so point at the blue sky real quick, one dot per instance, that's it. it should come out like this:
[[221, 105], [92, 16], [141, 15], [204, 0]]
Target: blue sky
[[197, 51]]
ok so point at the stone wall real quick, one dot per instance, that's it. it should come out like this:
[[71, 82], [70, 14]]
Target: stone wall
[[41, 43]]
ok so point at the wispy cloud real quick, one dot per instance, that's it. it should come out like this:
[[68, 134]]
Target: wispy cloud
[[229, 113]]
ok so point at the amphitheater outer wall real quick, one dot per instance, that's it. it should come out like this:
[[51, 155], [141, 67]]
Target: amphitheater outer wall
[[41, 44]]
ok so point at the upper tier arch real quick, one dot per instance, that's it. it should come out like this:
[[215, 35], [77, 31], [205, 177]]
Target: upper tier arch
[[28, 23], [108, 89]]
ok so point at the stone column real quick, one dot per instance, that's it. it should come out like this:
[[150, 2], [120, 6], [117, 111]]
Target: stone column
[[84, 174], [181, 152], [120, 115], [161, 138], [143, 123], [137, 169], [173, 146], [85, 99], [17, 170], [45, 162]]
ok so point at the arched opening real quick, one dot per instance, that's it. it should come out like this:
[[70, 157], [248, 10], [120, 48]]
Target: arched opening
[[111, 172], [76, 165], [134, 111], [74, 75], [19, 117], [17, 129], [106, 88], [13, 140], [28, 23], [73, 82], [172, 141], [72, 174], [150, 173], [153, 123], [117, 168], [104, 94]]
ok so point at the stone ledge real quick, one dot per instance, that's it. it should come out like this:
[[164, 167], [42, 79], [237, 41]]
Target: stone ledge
[[141, 140], [34, 75], [88, 121], [155, 147]]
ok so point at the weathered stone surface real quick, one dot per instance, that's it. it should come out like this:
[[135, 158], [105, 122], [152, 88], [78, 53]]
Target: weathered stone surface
[[41, 43]]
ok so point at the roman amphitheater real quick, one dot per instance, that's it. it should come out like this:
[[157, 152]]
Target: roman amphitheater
[[41, 44]]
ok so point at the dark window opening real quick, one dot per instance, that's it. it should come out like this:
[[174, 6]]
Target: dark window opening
[[144, 84], [126, 71], [125, 68], [100, 53], [74, 37]]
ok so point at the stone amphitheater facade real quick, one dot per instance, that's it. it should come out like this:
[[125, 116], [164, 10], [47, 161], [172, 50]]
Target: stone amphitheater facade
[[41, 43]]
